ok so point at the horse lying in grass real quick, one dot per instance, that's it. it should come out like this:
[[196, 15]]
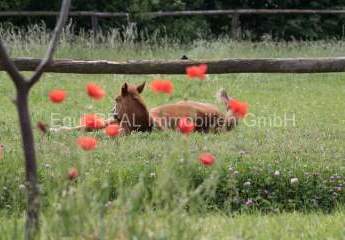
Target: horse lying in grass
[[131, 113]]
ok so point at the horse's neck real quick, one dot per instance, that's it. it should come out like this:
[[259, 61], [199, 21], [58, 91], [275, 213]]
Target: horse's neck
[[139, 119], [143, 119]]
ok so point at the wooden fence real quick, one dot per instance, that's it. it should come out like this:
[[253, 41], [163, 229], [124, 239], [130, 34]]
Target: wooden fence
[[234, 14], [264, 65], [279, 65]]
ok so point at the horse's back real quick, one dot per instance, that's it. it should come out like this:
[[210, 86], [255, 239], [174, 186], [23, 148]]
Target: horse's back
[[186, 108], [203, 107], [205, 115]]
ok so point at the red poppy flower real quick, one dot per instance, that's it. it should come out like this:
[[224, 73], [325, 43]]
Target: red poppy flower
[[197, 71], [57, 95], [113, 130], [162, 86], [73, 173], [87, 143], [207, 159], [95, 91], [93, 121], [185, 125], [238, 108]]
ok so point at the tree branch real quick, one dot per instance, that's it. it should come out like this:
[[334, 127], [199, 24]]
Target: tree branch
[[10, 67], [22, 102], [53, 42]]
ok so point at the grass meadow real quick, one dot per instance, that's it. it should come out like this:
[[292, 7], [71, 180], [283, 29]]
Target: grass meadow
[[151, 185]]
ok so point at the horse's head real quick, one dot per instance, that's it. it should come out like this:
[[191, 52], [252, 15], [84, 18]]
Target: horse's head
[[130, 109]]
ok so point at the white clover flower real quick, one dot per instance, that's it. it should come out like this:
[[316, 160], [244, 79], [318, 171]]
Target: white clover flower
[[108, 204], [276, 173], [249, 202], [247, 184], [294, 180], [153, 174]]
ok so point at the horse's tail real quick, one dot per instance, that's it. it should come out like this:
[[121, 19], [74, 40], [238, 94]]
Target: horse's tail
[[230, 120], [223, 97]]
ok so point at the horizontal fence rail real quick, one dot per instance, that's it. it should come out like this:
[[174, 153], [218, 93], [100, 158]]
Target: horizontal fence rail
[[174, 13], [265, 65], [233, 13], [52, 13], [242, 12]]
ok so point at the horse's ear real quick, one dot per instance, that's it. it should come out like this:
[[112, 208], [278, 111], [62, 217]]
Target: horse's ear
[[141, 87], [124, 89]]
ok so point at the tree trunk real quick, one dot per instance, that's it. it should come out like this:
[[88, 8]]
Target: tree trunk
[[33, 204]]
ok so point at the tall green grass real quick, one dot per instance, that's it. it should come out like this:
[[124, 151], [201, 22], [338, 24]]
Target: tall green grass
[[151, 186]]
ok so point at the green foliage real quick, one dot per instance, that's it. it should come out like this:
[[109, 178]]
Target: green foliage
[[288, 27]]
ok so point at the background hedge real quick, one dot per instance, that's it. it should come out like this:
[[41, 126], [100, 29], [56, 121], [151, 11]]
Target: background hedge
[[287, 27]]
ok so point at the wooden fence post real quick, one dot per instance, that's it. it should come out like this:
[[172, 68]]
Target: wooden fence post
[[236, 31], [94, 24], [128, 18]]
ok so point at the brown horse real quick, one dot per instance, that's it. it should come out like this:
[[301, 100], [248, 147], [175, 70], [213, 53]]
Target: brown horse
[[130, 110], [133, 115]]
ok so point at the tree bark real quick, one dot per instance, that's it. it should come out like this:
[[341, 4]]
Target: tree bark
[[23, 87], [33, 204]]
